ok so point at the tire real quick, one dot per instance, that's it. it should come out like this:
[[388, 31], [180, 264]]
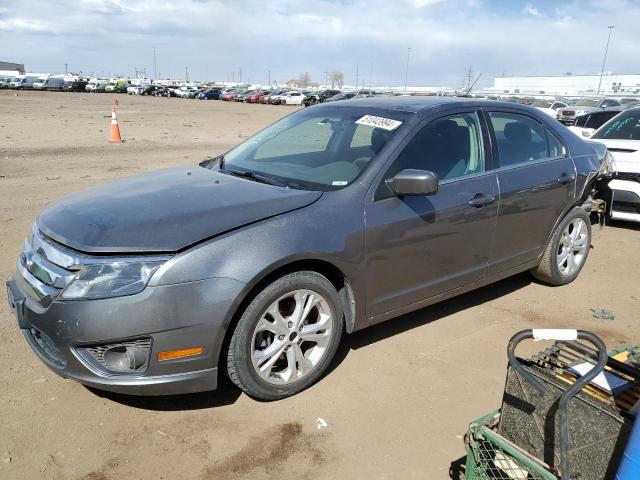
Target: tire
[[552, 269], [248, 358]]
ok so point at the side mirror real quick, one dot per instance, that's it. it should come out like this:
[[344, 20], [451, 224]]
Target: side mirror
[[413, 182]]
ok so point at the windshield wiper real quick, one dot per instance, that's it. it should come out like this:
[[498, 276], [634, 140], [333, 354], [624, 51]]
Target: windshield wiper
[[256, 177]]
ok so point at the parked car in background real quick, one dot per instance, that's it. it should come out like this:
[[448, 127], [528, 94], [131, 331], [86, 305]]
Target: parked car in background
[[550, 107], [97, 85], [187, 91], [75, 85], [290, 98], [319, 97], [272, 95], [119, 85], [634, 104], [39, 83], [5, 82], [210, 94], [240, 97], [230, 95], [426, 213], [621, 135], [581, 107], [586, 125], [26, 83], [54, 84], [16, 82], [364, 93], [341, 96], [149, 89], [254, 97]]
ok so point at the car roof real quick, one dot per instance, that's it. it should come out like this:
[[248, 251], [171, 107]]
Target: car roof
[[416, 104]]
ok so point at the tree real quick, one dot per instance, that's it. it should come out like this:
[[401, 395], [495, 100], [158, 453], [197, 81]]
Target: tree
[[337, 78], [304, 80]]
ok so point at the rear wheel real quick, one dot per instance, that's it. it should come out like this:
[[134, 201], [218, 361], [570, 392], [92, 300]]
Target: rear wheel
[[286, 337], [567, 250]]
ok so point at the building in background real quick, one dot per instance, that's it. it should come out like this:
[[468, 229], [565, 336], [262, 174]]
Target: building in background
[[566, 85], [8, 68]]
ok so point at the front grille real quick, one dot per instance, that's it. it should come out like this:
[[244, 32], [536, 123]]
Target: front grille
[[633, 177], [95, 354], [568, 113]]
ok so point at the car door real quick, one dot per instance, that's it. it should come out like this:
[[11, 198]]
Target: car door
[[537, 181], [417, 247]]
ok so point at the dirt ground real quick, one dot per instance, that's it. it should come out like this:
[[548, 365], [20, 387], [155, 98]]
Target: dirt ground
[[399, 396]]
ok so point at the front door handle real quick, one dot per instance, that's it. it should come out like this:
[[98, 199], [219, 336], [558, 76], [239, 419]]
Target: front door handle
[[480, 200], [564, 178]]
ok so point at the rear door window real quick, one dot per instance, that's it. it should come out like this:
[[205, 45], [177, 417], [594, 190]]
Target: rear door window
[[522, 139]]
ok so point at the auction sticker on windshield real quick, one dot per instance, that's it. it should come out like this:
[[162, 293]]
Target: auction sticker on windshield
[[379, 122]]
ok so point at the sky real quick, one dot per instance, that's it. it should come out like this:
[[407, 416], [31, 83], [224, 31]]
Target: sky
[[215, 39]]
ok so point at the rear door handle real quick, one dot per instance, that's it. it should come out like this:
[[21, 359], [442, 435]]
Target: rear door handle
[[480, 200], [564, 178]]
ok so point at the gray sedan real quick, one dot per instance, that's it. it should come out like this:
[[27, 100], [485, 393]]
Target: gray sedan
[[582, 107], [337, 217]]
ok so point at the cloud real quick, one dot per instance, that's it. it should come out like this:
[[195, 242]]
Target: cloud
[[531, 10], [19, 25], [215, 39], [425, 3]]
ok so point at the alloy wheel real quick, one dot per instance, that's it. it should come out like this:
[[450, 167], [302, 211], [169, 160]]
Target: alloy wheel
[[291, 337], [573, 246]]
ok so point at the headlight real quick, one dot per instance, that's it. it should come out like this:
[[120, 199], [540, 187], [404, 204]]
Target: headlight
[[110, 280], [608, 165]]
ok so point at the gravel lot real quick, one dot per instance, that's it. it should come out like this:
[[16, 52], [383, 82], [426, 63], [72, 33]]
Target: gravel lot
[[399, 396]]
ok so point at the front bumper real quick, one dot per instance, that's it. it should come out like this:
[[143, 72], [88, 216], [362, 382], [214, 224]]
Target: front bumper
[[626, 199], [172, 317]]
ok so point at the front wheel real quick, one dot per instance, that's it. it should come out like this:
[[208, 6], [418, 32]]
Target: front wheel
[[286, 337], [567, 250]]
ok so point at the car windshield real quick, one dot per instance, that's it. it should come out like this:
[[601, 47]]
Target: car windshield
[[586, 103], [317, 149], [625, 126]]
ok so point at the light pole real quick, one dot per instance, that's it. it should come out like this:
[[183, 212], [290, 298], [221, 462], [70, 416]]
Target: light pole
[[406, 70], [66, 70], [604, 60], [155, 66]]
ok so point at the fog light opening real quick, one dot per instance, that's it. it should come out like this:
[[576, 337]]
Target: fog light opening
[[123, 358]]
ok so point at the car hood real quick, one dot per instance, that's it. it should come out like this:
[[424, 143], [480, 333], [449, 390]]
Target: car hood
[[626, 154], [164, 211]]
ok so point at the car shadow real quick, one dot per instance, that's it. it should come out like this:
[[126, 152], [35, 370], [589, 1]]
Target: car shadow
[[227, 393], [424, 316]]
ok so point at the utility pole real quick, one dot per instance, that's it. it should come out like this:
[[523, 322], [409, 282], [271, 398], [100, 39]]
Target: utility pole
[[604, 60], [233, 77], [155, 67], [326, 79], [357, 72], [406, 70], [186, 73], [66, 70]]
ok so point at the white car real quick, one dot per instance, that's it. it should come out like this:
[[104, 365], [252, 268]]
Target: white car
[[96, 85], [291, 98], [186, 91], [39, 84], [621, 135], [549, 107]]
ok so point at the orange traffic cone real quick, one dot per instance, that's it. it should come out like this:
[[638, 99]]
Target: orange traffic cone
[[115, 129]]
